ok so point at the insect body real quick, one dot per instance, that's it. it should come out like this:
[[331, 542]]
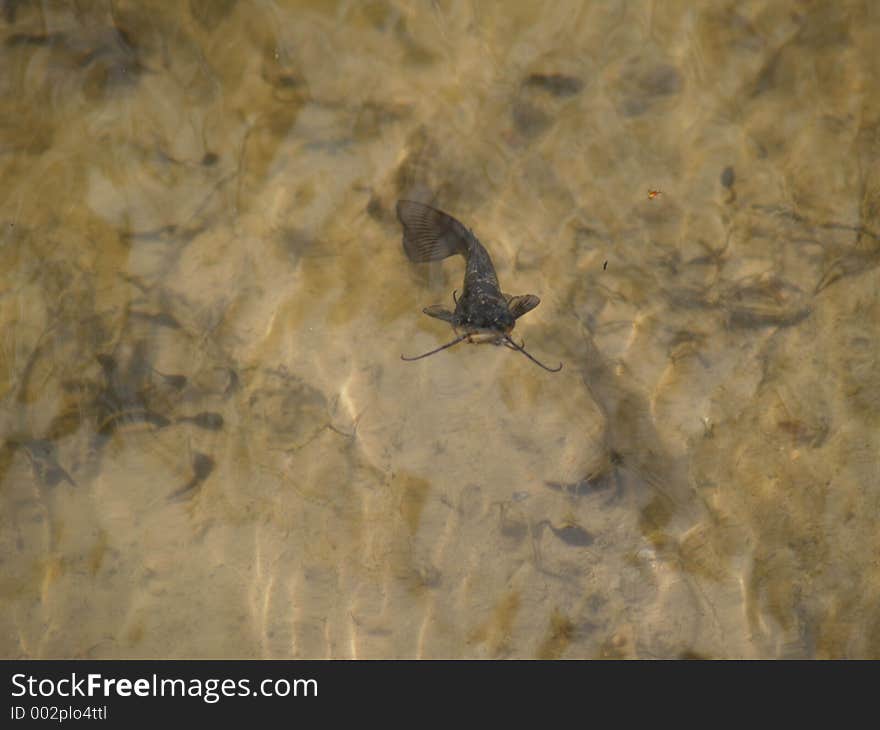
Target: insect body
[[482, 312]]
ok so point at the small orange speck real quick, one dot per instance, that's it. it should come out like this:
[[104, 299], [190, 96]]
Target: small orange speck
[[654, 193]]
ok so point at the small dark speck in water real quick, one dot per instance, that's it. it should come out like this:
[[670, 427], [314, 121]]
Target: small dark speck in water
[[178, 382], [513, 528], [107, 363], [287, 80], [33, 39], [207, 420], [233, 384], [202, 466], [210, 159], [374, 208], [728, 177], [10, 10], [556, 84], [44, 461], [530, 120], [573, 535], [570, 534]]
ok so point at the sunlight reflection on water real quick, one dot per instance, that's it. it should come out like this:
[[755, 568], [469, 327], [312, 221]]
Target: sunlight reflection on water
[[210, 444]]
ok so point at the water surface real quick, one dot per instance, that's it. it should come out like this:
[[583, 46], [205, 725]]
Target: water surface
[[210, 447]]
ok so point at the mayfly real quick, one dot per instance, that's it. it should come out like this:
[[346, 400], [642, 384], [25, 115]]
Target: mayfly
[[483, 314]]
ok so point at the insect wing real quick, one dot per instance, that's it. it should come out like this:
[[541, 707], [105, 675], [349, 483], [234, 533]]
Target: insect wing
[[430, 234], [438, 312], [522, 304]]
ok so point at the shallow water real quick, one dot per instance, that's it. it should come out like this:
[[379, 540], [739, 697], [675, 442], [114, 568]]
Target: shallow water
[[210, 446]]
